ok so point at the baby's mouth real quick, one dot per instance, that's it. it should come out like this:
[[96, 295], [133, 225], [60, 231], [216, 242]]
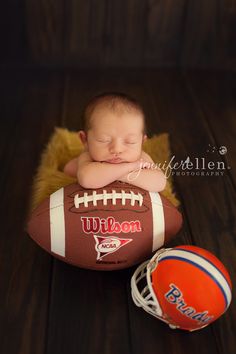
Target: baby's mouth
[[115, 160]]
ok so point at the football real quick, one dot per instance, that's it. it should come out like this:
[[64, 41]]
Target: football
[[109, 228]]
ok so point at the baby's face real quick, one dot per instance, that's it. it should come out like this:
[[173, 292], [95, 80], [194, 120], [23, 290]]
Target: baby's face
[[115, 137]]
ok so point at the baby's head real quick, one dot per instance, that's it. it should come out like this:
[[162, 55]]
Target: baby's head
[[114, 128]]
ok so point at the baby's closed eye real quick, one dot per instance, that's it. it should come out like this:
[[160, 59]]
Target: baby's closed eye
[[103, 141], [131, 142]]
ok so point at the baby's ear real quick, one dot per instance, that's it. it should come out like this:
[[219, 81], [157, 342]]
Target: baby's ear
[[83, 137], [144, 138]]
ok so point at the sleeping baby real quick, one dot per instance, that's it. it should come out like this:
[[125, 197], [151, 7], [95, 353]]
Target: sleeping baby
[[113, 136]]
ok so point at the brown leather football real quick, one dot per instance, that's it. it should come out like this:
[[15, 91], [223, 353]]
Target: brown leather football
[[108, 228]]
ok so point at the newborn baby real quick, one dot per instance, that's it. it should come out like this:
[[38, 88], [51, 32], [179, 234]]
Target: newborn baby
[[114, 131]]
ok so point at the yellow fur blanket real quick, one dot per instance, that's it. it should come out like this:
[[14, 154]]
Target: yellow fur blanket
[[65, 145]]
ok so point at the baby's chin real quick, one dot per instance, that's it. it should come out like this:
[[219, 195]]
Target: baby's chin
[[115, 161], [118, 160]]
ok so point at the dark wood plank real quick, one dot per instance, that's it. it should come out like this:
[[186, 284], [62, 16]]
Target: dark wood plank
[[85, 22], [209, 29], [12, 92], [133, 46], [46, 30], [215, 95], [80, 87], [12, 33], [165, 30], [88, 312], [130, 33], [208, 202], [26, 269], [199, 40]]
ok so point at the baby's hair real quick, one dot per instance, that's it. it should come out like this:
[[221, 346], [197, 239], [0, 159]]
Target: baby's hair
[[114, 101]]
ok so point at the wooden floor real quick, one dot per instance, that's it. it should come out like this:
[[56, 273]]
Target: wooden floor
[[47, 306]]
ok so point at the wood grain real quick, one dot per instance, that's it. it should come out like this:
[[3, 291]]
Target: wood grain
[[133, 33], [25, 268]]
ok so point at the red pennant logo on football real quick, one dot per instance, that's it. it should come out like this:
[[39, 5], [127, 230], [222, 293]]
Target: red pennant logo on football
[[108, 245]]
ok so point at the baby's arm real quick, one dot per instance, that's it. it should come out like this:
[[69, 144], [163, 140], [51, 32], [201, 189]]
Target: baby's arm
[[71, 167], [93, 174], [151, 179]]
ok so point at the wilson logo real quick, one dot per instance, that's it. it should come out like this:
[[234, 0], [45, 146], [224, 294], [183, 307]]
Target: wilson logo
[[107, 245], [109, 225]]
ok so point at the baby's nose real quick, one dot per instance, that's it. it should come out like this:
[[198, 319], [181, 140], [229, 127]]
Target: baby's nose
[[116, 147]]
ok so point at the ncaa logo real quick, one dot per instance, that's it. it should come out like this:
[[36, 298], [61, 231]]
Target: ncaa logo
[[107, 245]]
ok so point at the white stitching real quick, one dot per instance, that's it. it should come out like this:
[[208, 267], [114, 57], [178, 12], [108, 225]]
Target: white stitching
[[114, 197], [104, 197], [94, 198]]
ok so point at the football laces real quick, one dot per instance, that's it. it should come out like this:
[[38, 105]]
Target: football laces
[[105, 196]]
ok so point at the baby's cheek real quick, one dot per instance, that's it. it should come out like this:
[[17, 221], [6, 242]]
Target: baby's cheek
[[136, 155], [95, 154]]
